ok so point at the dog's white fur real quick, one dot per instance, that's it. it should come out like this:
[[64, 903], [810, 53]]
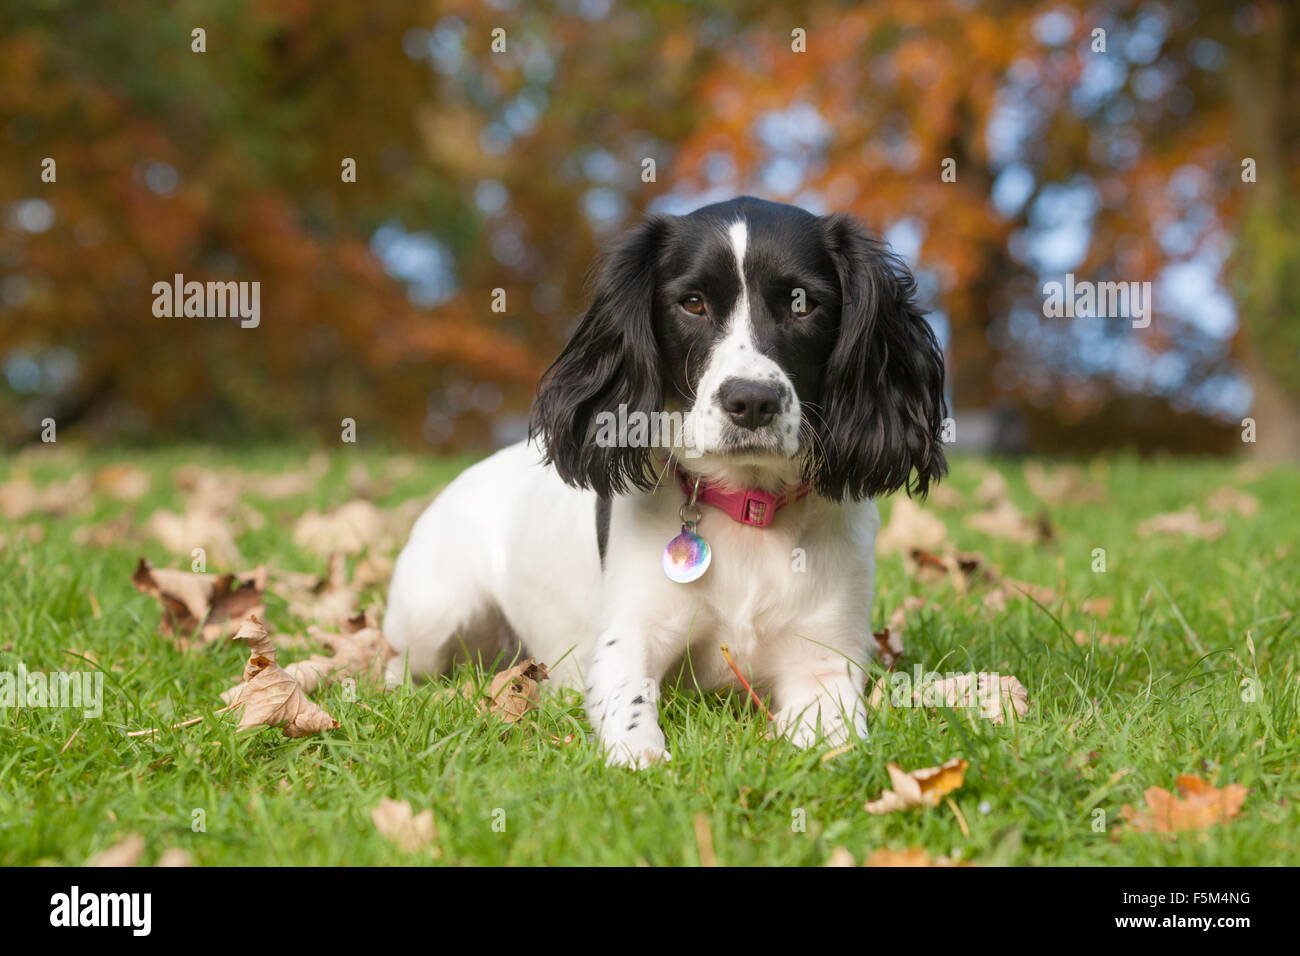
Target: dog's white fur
[[506, 560]]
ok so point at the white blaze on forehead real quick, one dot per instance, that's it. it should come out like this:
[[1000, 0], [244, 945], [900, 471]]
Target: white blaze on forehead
[[738, 233]]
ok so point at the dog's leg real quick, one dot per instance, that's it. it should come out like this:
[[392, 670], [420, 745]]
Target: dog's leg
[[622, 698], [821, 702]]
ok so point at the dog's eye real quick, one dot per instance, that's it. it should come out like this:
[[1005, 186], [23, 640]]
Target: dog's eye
[[693, 304], [801, 307]]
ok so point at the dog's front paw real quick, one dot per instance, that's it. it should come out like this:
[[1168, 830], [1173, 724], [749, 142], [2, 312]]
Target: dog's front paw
[[812, 725], [637, 751]]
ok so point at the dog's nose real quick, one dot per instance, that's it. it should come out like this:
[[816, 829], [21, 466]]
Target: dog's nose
[[749, 404]]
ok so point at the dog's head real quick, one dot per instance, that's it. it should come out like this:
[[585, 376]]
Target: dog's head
[[787, 345]]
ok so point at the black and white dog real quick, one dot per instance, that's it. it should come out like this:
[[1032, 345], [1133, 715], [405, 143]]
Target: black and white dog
[[806, 382]]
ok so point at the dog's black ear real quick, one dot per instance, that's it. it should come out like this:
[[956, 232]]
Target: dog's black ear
[[882, 398], [612, 360]]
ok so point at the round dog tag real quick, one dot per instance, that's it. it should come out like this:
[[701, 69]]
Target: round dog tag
[[686, 557]]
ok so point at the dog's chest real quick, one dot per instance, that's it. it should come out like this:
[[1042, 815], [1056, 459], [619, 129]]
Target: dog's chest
[[765, 589]]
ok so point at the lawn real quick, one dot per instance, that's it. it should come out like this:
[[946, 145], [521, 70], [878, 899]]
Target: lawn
[[1182, 662]]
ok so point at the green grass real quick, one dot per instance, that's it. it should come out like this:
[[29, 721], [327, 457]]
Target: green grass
[[1169, 701]]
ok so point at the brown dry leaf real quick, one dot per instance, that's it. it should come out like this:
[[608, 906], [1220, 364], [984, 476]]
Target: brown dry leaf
[[911, 528], [19, 497], [1005, 520], [964, 569], [189, 600], [175, 857], [411, 832], [515, 691], [110, 533], [1084, 639], [288, 484], [198, 528], [898, 620], [372, 571], [363, 486], [1097, 607], [125, 853], [269, 696], [1186, 522], [963, 692], [1198, 805], [946, 497], [889, 647], [1229, 500], [351, 529], [31, 533], [992, 490], [123, 482], [330, 601], [1009, 589], [1067, 485], [912, 856], [919, 788], [363, 654], [841, 857]]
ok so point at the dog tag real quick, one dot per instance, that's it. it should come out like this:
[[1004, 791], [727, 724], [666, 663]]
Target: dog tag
[[686, 557]]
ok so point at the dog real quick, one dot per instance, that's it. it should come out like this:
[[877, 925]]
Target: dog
[[806, 382]]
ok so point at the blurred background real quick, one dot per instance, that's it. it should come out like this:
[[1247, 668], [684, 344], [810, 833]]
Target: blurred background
[[479, 171]]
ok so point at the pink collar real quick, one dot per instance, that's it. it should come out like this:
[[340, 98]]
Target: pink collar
[[750, 506]]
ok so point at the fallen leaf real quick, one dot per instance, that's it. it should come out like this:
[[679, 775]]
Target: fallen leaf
[[196, 528], [123, 482], [988, 693], [1067, 485], [410, 832], [841, 857], [1229, 500], [1097, 607], [919, 788], [107, 535], [362, 654], [125, 853], [516, 690], [910, 527], [329, 601], [31, 533], [19, 497], [1084, 639], [269, 696], [946, 497], [992, 489], [212, 604], [1005, 520], [1197, 805], [363, 486], [912, 856], [889, 647], [1009, 589], [175, 857], [1186, 522], [373, 570], [963, 569], [351, 529], [898, 620]]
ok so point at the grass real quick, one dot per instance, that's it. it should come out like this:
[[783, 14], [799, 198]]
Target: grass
[[1105, 721]]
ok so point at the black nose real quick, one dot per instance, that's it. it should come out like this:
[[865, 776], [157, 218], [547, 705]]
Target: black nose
[[749, 404]]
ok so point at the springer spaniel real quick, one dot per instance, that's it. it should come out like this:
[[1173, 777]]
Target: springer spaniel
[[702, 460]]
